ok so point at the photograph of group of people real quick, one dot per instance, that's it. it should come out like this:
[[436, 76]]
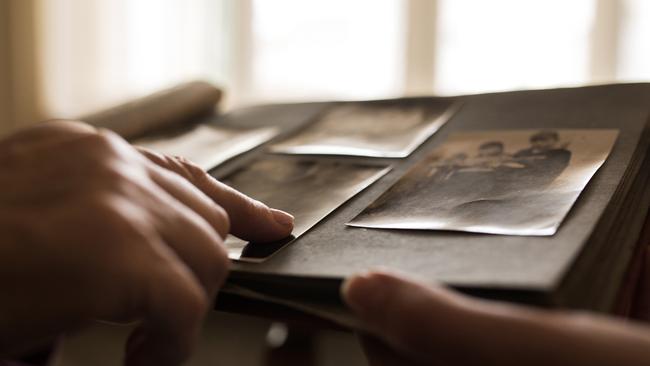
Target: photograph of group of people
[[516, 182]]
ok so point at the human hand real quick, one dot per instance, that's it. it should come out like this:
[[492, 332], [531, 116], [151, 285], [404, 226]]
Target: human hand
[[409, 323], [93, 229]]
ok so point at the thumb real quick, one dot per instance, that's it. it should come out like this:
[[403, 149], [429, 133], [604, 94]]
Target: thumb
[[425, 324]]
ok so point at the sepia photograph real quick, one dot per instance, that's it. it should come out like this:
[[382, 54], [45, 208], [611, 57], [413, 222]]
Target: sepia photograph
[[387, 130], [208, 145], [511, 182], [308, 189]]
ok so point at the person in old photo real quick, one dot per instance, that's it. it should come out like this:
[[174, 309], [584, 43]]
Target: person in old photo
[[499, 182], [544, 160]]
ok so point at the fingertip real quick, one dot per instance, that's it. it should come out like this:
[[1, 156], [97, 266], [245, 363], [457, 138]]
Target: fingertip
[[285, 219], [257, 222], [283, 224], [371, 294], [361, 292]]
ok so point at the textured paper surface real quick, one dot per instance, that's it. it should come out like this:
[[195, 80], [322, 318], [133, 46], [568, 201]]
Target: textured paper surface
[[513, 182]]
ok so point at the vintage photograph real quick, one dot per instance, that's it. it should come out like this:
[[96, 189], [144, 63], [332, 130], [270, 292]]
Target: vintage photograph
[[308, 189], [388, 129], [208, 145], [512, 182]]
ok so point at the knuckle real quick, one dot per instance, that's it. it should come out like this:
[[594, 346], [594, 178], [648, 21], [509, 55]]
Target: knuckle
[[105, 143], [189, 170], [101, 140], [117, 219], [155, 157], [170, 163], [115, 178], [176, 164], [69, 126], [254, 207], [96, 149], [196, 173], [181, 166], [109, 172]]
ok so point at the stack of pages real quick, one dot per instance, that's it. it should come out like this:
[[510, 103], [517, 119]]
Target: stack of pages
[[531, 196]]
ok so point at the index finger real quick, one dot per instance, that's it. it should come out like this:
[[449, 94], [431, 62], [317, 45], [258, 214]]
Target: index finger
[[249, 219]]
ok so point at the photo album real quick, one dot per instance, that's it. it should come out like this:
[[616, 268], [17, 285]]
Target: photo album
[[527, 196]]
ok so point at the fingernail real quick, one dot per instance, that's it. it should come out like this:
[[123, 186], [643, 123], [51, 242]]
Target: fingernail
[[282, 217], [363, 292]]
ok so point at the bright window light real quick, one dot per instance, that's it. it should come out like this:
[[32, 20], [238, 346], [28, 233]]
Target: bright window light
[[98, 53], [634, 50], [327, 49], [512, 44]]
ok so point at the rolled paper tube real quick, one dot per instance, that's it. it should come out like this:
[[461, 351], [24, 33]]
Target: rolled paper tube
[[163, 110]]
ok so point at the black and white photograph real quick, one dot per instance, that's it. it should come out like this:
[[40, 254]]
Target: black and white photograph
[[208, 145], [387, 130], [309, 189], [511, 182]]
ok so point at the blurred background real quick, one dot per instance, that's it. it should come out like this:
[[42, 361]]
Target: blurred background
[[66, 58]]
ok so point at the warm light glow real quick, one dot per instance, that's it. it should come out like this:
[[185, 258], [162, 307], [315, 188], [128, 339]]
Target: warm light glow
[[327, 49], [512, 44], [634, 53], [95, 53], [98, 53]]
